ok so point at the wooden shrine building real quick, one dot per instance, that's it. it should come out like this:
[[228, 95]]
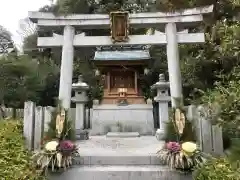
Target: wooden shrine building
[[121, 68]]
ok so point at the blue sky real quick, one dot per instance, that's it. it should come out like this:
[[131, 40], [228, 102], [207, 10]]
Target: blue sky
[[12, 11]]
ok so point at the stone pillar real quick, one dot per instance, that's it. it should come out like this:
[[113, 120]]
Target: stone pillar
[[65, 87], [47, 117], [28, 124], [80, 115], [173, 63], [80, 99], [162, 98], [38, 130]]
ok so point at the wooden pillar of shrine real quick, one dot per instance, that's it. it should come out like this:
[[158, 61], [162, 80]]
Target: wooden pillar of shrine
[[135, 79]]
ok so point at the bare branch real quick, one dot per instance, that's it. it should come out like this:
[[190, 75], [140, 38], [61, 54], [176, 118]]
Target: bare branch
[[5, 40], [27, 28]]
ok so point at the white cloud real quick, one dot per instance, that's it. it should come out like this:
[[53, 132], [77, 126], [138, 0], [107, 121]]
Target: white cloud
[[12, 11]]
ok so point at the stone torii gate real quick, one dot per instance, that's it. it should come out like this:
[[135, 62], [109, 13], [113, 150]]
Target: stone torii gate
[[168, 22]]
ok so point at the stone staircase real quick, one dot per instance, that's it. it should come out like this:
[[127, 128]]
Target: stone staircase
[[105, 158]]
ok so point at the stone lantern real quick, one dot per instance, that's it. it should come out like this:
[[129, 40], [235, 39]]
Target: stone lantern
[[80, 99], [162, 98]]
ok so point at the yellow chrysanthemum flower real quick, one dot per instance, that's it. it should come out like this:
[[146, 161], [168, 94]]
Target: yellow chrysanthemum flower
[[51, 146], [189, 148]]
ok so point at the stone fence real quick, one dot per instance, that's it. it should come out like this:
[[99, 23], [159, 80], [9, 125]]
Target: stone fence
[[36, 121], [9, 113], [209, 136]]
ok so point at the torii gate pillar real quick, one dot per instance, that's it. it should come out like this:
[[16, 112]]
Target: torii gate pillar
[[173, 64], [65, 87]]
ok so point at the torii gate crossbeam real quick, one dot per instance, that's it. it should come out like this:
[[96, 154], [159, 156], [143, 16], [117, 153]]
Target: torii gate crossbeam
[[81, 40]]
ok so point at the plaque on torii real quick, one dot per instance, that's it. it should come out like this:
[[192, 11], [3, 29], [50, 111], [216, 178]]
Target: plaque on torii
[[119, 26]]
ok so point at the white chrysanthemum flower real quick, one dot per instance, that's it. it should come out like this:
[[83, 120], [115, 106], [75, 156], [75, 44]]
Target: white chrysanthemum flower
[[51, 146]]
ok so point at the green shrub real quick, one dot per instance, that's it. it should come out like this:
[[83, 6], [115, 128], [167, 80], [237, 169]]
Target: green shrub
[[15, 161], [226, 95], [234, 152], [217, 169]]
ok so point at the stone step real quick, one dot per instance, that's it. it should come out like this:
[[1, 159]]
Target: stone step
[[122, 134], [117, 160], [120, 173]]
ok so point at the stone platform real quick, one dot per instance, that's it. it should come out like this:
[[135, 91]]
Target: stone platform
[[129, 118], [104, 158]]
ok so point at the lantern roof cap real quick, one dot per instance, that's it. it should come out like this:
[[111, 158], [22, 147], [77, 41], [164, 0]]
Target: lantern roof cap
[[161, 84], [80, 85]]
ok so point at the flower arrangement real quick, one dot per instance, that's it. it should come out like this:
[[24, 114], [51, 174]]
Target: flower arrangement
[[56, 154], [183, 156], [180, 155], [57, 150]]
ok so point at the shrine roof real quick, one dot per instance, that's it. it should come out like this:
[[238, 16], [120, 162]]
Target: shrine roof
[[122, 55]]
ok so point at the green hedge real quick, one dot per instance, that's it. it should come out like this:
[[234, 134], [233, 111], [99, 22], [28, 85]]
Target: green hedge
[[218, 169], [15, 161]]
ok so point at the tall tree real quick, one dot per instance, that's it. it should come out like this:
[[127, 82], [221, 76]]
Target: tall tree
[[201, 64], [19, 80], [23, 78], [28, 32], [5, 40], [47, 63]]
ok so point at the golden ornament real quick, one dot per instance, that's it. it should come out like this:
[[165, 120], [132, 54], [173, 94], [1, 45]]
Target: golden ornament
[[179, 121], [60, 122]]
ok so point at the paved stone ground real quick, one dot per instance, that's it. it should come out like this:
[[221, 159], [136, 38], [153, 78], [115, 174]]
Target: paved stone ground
[[119, 159], [108, 146]]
